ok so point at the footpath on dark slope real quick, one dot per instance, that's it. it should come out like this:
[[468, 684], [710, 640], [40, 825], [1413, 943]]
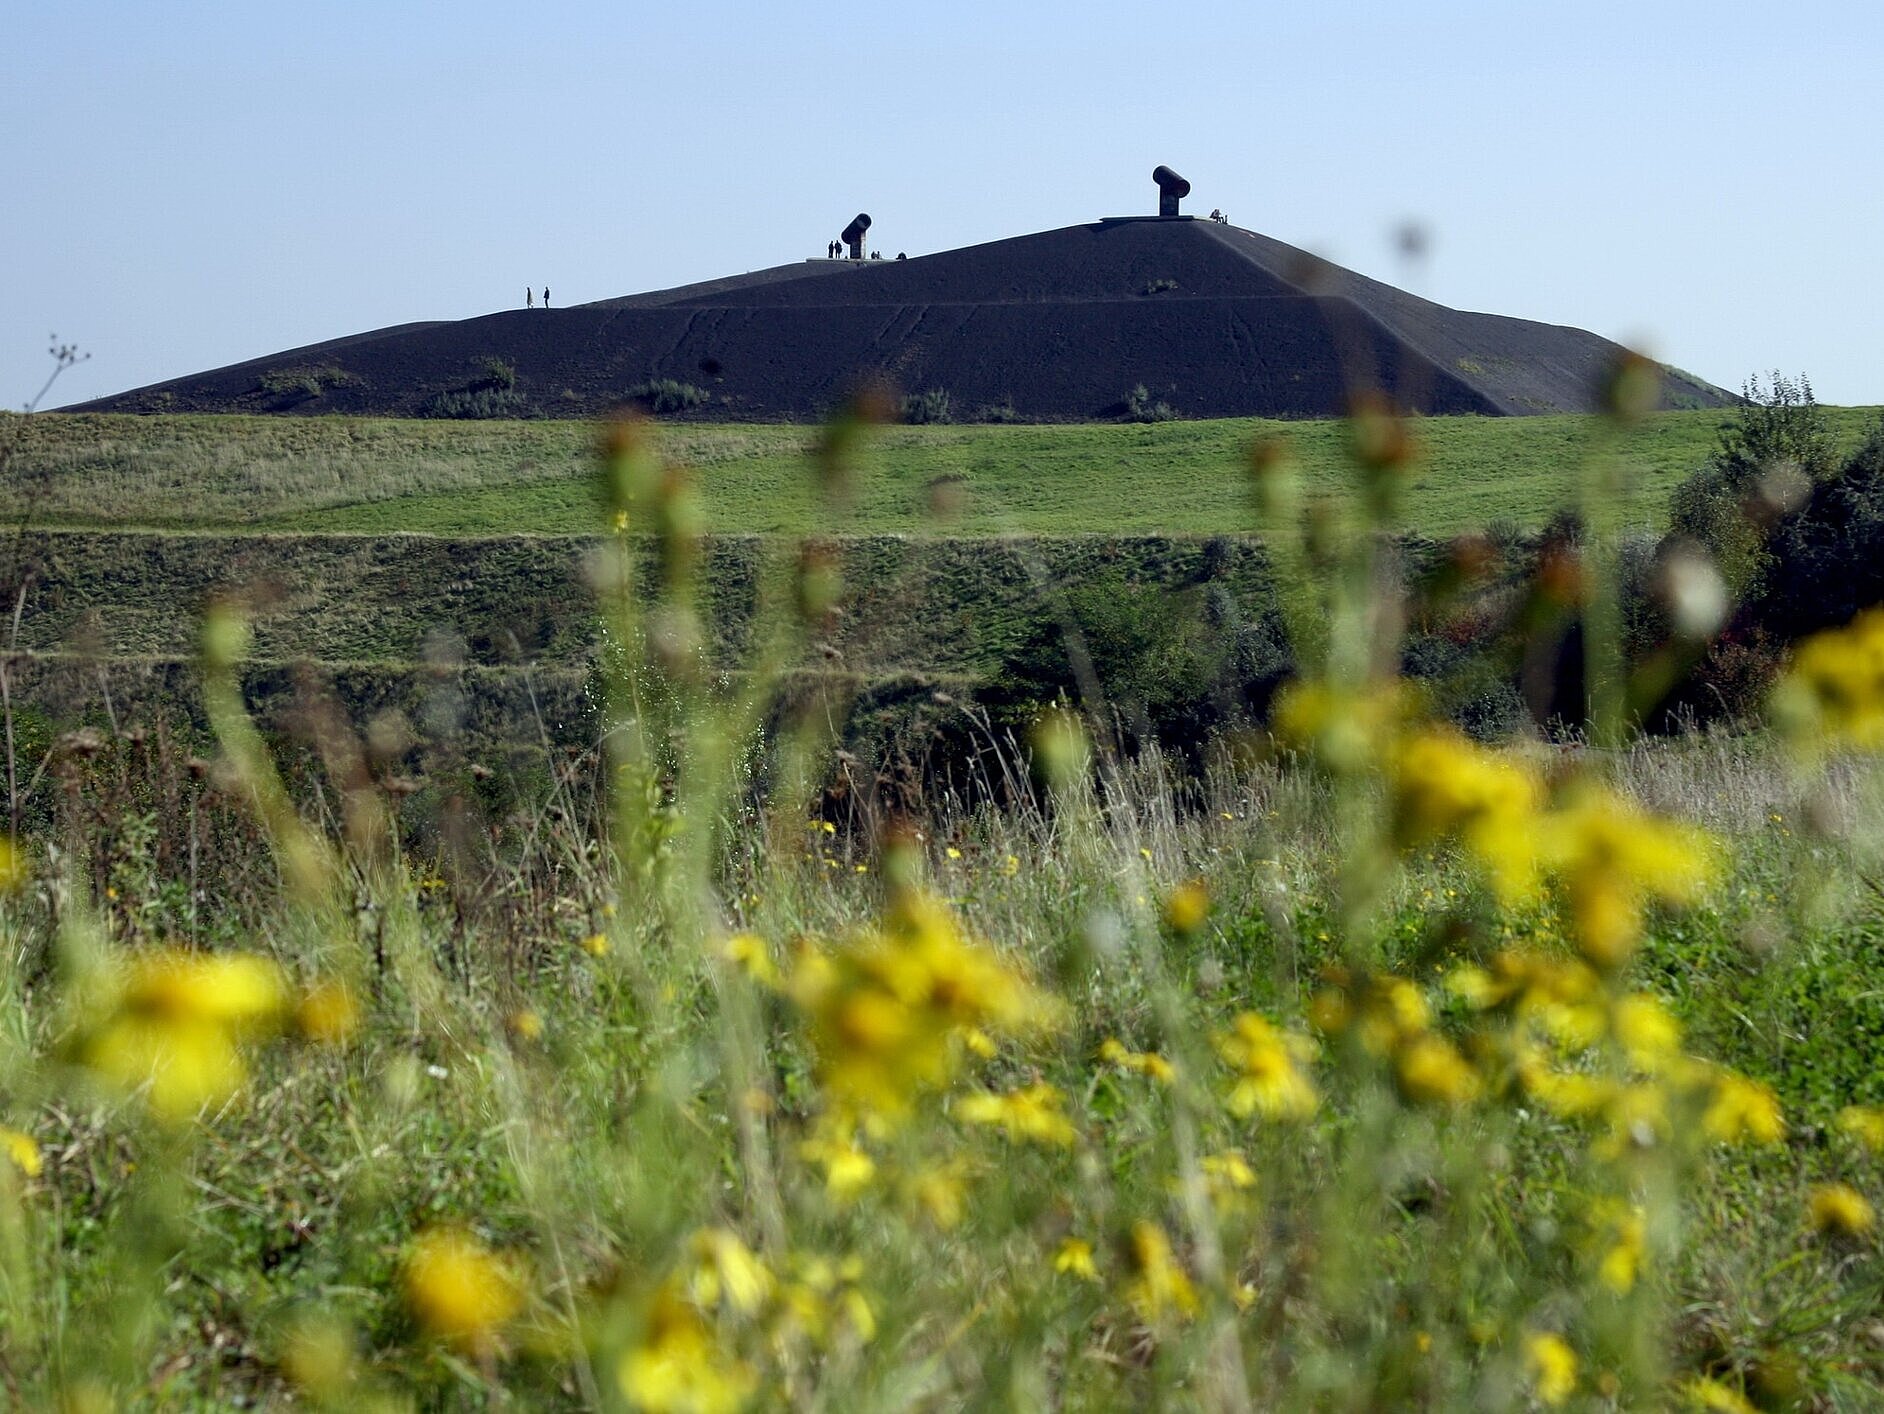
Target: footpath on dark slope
[[1211, 320]]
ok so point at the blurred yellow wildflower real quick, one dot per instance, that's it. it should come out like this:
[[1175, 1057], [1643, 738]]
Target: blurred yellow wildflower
[[1445, 786], [1148, 1063], [748, 953], [596, 945], [1267, 1064], [23, 1151], [1637, 1119], [1551, 1365], [679, 1365], [1620, 1243], [1742, 1110], [848, 1170], [525, 1024], [13, 866], [459, 1291], [1074, 1259], [724, 1268], [1566, 1094], [1840, 1210], [1381, 1010], [172, 1024], [1714, 1397], [1833, 693], [1159, 1286], [1865, 1123], [1033, 1113], [1430, 1071], [1187, 906], [1345, 731], [1228, 1179], [321, 1358], [1649, 1037], [890, 1010], [821, 1298], [1610, 858], [941, 1191], [328, 1013]]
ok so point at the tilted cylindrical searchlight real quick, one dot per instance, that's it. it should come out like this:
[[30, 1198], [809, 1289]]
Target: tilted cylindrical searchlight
[[1171, 190], [853, 235]]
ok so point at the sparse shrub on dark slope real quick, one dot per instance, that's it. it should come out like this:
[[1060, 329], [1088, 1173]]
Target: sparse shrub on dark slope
[[304, 382], [479, 402], [668, 395], [1140, 406], [930, 405], [494, 372]]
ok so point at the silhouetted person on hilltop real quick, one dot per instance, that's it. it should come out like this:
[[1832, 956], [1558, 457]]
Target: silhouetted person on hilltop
[[546, 297], [529, 296]]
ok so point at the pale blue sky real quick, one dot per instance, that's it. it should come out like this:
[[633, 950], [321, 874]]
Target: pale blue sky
[[191, 184]]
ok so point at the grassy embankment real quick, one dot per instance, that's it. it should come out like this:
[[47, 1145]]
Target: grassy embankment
[[376, 476]]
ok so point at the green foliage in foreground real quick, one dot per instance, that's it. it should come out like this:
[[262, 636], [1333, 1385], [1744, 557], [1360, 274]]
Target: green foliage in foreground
[[381, 476], [1374, 1069]]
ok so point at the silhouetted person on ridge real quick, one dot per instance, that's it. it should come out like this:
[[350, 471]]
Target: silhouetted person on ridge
[[529, 296], [546, 297]]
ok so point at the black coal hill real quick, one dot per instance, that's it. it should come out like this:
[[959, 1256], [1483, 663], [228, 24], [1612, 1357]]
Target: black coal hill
[[1212, 320]]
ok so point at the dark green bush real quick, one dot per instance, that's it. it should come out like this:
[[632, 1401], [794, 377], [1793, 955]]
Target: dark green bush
[[666, 395], [1772, 453], [478, 402], [494, 372], [1140, 406], [1169, 664], [305, 382], [930, 405]]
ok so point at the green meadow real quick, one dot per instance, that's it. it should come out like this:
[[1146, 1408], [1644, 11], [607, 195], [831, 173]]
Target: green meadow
[[379, 476]]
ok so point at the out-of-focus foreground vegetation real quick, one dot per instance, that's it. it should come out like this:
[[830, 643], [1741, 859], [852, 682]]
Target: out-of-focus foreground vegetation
[[1352, 1063]]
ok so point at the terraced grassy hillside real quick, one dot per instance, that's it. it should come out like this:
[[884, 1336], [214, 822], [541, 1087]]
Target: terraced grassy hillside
[[399, 556], [381, 476]]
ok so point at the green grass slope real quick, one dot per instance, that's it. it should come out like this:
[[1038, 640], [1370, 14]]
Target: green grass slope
[[375, 476]]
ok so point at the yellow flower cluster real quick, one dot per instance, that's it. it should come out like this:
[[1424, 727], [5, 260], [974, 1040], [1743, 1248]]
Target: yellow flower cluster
[[1445, 786], [1347, 732], [1552, 1367], [1034, 1113], [22, 1151], [1833, 693], [890, 1012], [1388, 1018], [171, 1025], [1186, 907], [1268, 1069], [1611, 858], [684, 1358], [1147, 1063], [1840, 1210], [1607, 857], [679, 1366], [1158, 1286], [459, 1291]]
